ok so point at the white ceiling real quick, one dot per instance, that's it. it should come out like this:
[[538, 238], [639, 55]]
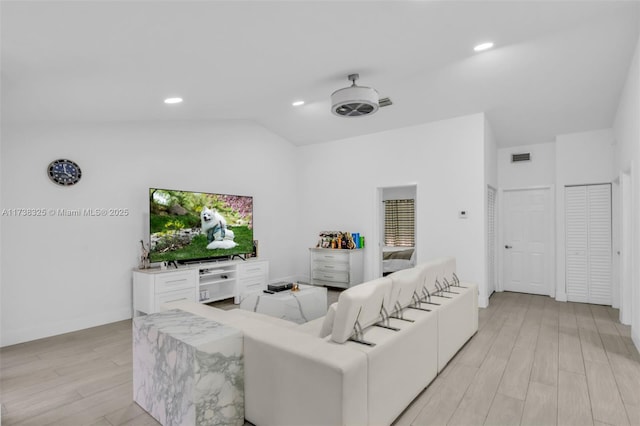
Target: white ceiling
[[558, 67]]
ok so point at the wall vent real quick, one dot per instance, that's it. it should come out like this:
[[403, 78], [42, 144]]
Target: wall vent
[[516, 158]]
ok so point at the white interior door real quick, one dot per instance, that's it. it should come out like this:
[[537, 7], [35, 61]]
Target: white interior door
[[527, 235]]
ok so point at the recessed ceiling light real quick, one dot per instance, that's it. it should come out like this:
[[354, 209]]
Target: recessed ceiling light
[[173, 100], [483, 46], [298, 103]]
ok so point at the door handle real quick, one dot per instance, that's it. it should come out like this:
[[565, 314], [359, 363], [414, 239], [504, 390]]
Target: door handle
[[508, 247]]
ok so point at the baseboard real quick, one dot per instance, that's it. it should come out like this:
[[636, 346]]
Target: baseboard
[[635, 336], [27, 334]]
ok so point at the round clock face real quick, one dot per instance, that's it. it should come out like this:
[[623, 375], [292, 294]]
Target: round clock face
[[64, 172]]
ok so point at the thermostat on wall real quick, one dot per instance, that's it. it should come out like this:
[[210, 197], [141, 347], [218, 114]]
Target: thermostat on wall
[[463, 214]]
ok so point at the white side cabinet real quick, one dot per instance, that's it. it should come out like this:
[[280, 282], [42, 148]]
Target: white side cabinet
[[153, 287], [336, 268], [204, 283], [252, 276]]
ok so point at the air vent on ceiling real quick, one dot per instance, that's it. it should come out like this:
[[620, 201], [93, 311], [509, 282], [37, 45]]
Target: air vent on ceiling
[[516, 158], [383, 102]]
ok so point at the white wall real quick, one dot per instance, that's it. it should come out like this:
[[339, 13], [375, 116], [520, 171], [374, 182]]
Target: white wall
[[399, 193], [338, 184], [627, 159], [66, 273], [581, 159], [540, 171]]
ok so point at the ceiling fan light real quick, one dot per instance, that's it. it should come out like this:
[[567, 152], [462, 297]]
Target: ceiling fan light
[[354, 101]]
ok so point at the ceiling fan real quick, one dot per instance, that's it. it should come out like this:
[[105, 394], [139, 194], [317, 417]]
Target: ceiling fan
[[356, 101]]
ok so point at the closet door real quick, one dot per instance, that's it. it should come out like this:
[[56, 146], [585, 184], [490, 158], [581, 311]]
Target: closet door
[[588, 243], [491, 239]]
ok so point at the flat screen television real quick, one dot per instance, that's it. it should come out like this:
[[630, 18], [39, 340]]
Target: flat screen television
[[187, 226]]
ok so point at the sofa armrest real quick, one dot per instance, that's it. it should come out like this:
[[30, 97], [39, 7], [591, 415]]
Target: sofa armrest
[[293, 378]]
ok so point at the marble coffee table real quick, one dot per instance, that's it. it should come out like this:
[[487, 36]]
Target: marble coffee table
[[310, 302]]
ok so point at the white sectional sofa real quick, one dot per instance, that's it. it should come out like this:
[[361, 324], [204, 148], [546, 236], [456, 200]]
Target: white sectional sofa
[[363, 363]]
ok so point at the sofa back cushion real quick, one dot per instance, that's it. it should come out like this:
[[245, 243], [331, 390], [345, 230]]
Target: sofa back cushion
[[361, 303], [432, 272], [405, 283], [329, 319], [448, 268]]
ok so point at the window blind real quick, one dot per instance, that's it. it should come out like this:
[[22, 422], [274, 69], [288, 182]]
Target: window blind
[[399, 223]]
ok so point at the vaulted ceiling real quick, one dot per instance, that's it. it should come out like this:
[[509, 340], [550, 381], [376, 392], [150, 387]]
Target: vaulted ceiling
[[557, 67]]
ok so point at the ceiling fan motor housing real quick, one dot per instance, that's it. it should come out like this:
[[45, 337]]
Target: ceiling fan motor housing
[[354, 101]]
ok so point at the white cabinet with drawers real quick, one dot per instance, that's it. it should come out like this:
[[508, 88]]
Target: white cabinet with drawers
[[153, 287], [336, 268]]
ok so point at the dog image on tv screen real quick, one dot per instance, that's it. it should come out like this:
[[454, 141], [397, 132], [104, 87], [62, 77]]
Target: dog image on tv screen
[[214, 226]]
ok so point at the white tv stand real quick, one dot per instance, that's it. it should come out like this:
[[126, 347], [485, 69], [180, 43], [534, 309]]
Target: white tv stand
[[200, 282]]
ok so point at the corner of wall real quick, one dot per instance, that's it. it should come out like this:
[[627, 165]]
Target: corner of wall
[[483, 301]]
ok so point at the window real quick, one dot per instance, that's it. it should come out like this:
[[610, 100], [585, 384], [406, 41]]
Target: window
[[399, 223]]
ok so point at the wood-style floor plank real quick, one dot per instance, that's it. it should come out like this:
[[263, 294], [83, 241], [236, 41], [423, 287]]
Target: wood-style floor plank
[[541, 405], [504, 411], [574, 406], [515, 380], [477, 400], [605, 397]]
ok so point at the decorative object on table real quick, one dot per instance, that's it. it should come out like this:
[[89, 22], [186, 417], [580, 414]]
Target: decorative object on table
[[295, 287], [339, 240], [64, 172], [255, 249], [281, 286], [144, 256]]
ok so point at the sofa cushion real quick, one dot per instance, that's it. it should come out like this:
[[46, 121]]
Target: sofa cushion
[[405, 284], [329, 319], [400, 364], [432, 271], [361, 303]]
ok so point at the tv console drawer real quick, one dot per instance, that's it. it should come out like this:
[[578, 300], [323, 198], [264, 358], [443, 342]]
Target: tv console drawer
[[172, 296], [253, 269], [171, 281]]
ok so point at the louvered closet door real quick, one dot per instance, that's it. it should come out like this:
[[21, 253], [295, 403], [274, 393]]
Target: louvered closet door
[[588, 243], [491, 239]]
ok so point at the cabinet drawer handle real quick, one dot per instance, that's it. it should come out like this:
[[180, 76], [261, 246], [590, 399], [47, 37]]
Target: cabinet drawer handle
[[181, 280], [329, 266]]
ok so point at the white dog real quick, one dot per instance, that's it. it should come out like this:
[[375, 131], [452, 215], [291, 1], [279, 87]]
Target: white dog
[[215, 227]]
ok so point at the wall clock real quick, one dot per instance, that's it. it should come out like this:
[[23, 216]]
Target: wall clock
[[64, 172]]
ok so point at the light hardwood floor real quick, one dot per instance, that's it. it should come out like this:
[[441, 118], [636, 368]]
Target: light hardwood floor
[[534, 361]]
